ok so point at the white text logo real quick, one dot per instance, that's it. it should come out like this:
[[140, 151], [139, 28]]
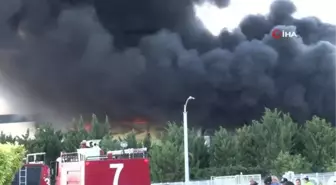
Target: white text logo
[[277, 34]]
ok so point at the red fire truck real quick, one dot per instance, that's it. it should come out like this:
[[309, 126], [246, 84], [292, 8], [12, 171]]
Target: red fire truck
[[88, 166], [33, 172]]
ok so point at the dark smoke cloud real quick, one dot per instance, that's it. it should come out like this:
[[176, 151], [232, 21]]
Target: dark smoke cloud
[[144, 58]]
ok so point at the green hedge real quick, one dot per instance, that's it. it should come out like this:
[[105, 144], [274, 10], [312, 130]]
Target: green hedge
[[11, 157]]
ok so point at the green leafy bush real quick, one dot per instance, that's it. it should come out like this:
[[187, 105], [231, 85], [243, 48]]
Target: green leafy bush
[[11, 157]]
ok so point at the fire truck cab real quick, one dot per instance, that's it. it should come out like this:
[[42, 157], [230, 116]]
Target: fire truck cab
[[33, 172], [90, 166]]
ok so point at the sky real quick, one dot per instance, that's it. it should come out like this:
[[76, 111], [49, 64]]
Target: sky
[[215, 19]]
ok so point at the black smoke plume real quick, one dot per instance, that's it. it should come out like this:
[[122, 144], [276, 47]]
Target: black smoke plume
[[129, 58]]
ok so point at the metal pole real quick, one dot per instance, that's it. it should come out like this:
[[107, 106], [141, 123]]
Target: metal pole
[[185, 134], [186, 151]]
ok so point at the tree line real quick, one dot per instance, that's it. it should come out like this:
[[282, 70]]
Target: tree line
[[272, 145]]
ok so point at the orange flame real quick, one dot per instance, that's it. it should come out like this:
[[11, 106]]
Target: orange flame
[[87, 127], [140, 121]]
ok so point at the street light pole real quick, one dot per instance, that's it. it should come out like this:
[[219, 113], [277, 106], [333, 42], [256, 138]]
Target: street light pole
[[185, 134]]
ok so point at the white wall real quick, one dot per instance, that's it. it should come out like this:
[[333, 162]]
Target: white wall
[[17, 129]]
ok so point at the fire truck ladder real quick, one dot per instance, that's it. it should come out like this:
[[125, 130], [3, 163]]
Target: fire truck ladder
[[23, 176]]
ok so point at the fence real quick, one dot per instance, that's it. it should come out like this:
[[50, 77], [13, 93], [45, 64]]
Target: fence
[[316, 178], [203, 182], [221, 180], [236, 179]]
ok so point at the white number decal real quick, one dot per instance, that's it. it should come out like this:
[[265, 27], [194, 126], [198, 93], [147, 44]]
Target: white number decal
[[47, 181], [118, 167]]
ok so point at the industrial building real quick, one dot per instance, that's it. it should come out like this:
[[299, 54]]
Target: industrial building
[[16, 125]]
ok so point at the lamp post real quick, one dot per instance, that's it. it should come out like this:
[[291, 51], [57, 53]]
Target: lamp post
[[185, 134]]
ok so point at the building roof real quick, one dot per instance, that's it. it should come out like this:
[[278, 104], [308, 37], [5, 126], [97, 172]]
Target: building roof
[[14, 118]]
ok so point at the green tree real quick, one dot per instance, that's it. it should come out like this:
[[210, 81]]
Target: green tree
[[48, 140], [167, 158], [4, 138], [198, 154], [131, 140], [73, 137], [330, 165], [224, 149], [319, 140], [147, 142], [99, 130], [262, 141], [166, 162], [26, 141], [173, 133], [286, 162], [108, 143]]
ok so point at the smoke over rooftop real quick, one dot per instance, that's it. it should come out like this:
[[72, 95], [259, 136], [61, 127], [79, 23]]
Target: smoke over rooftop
[[144, 58]]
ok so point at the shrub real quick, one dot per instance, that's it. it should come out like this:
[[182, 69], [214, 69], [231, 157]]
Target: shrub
[[11, 157]]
